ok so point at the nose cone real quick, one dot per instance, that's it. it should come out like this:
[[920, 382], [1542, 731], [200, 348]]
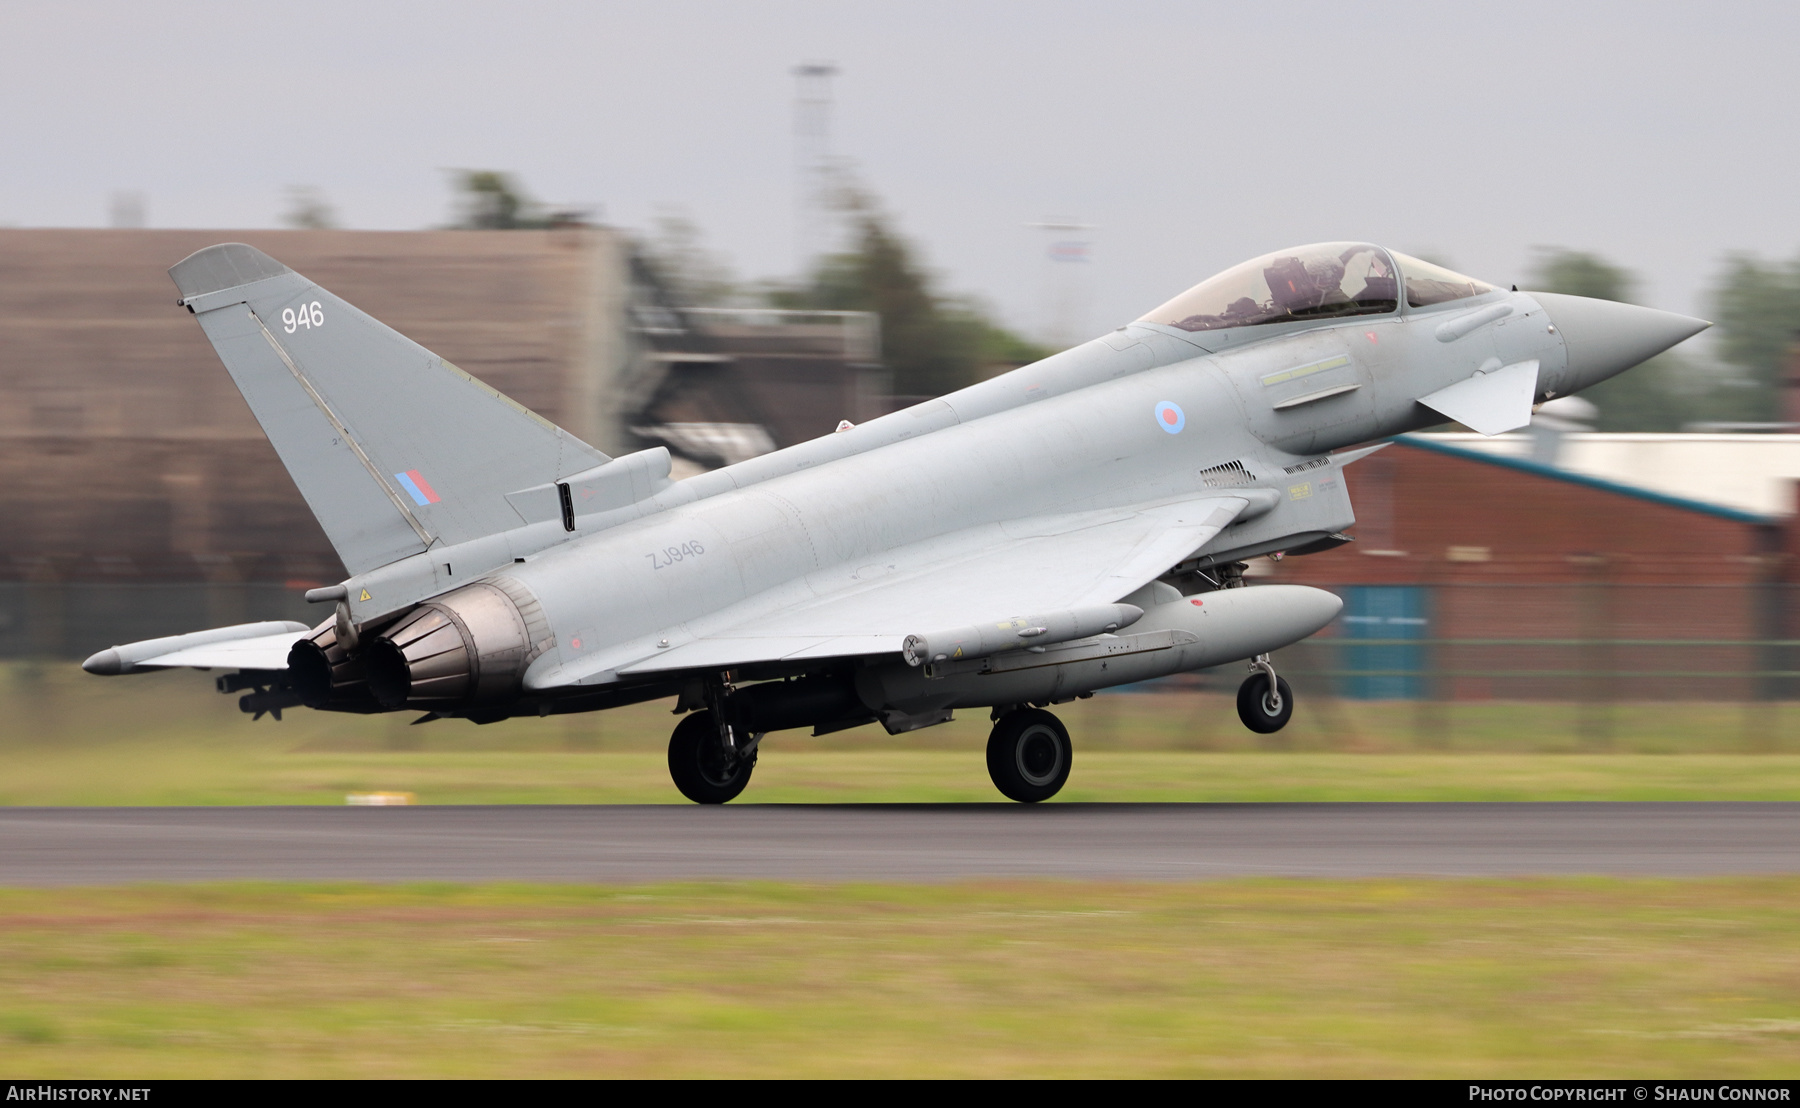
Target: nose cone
[[1605, 337]]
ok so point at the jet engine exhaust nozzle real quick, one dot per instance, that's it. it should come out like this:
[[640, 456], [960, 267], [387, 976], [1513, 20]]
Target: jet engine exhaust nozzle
[[325, 675], [464, 651]]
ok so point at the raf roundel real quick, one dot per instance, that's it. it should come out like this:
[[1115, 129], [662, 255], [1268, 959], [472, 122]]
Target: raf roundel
[[1170, 417]]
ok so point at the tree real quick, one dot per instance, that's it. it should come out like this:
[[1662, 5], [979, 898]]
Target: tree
[[701, 278], [1577, 273], [308, 210], [494, 201], [1757, 307], [932, 343]]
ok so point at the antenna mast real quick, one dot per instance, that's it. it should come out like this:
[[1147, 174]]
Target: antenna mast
[[812, 162], [1067, 252]]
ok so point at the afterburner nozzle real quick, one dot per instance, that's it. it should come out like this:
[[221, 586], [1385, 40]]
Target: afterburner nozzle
[[1605, 337]]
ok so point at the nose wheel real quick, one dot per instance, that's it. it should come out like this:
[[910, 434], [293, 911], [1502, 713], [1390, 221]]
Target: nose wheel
[[706, 769], [1264, 701], [1028, 755]]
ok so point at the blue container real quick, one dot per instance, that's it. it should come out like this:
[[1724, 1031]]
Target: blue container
[[1393, 670]]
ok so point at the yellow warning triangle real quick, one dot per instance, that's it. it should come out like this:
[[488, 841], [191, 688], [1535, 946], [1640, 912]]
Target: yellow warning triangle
[[365, 595]]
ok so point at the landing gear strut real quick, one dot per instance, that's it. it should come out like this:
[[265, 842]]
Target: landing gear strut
[[1028, 755], [1264, 701], [710, 765]]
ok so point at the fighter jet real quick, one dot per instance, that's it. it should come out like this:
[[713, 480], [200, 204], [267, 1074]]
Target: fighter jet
[[1076, 524]]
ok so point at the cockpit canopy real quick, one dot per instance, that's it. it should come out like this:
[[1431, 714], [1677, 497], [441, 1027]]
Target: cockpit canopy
[[1433, 284], [1322, 281]]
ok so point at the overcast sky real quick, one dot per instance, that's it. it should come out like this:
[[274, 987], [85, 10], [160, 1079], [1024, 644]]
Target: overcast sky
[[1192, 135]]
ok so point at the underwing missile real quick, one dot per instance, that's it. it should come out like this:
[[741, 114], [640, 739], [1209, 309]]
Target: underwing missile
[[1017, 633]]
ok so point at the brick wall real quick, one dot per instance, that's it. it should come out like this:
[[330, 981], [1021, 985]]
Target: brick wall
[[1593, 593], [1425, 517]]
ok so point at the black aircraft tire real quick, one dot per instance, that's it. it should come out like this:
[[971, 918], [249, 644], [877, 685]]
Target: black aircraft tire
[[697, 763], [1028, 755], [1254, 708]]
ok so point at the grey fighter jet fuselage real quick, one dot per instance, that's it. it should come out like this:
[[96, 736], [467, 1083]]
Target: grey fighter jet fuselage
[[1071, 525]]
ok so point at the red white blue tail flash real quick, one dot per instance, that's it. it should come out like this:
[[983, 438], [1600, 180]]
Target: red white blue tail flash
[[417, 487]]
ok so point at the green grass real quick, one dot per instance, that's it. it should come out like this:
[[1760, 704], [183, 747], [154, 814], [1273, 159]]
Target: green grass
[[68, 738], [56, 704], [1407, 978], [1552, 977], [166, 774]]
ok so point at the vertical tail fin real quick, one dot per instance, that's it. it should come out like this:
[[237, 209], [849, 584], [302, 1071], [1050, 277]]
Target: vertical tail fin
[[393, 448]]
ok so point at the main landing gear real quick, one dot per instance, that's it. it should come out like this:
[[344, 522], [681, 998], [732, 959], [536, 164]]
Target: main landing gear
[[1028, 751], [1028, 755], [710, 763], [1264, 701]]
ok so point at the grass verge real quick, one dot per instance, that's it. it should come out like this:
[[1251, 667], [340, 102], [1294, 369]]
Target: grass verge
[[170, 774], [1551, 978]]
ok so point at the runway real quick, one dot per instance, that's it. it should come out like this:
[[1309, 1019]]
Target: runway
[[80, 846]]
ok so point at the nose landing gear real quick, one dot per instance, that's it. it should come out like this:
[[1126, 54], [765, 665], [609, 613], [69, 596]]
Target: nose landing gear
[[1264, 701], [1028, 755]]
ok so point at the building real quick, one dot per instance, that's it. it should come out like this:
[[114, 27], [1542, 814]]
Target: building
[[1478, 573], [139, 496], [1751, 472]]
